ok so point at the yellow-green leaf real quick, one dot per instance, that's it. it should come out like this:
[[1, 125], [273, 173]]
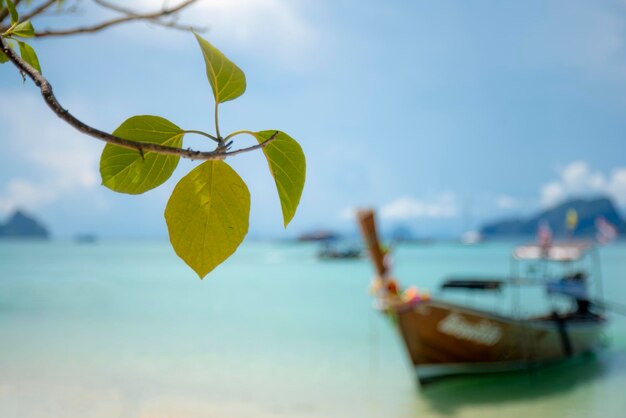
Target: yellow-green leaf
[[207, 215], [24, 30], [3, 57], [227, 81], [288, 167], [12, 11], [127, 171], [28, 54]]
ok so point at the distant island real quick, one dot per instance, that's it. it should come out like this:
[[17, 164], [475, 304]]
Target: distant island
[[588, 211], [21, 225]]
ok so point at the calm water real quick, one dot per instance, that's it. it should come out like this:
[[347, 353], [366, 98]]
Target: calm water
[[125, 330]]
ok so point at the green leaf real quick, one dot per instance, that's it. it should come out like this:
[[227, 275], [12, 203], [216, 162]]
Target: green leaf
[[14, 16], [24, 30], [207, 215], [227, 81], [127, 171], [288, 167], [28, 54], [3, 57]]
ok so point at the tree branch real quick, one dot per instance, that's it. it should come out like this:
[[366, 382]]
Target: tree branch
[[46, 91], [129, 16]]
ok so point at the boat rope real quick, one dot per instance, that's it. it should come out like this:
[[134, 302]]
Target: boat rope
[[614, 307], [373, 403], [374, 354], [565, 340]]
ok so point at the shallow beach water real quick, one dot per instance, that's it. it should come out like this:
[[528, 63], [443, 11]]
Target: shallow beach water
[[125, 329]]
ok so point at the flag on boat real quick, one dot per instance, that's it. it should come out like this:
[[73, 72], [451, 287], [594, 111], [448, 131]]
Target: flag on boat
[[571, 220], [544, 234], [606, 232]]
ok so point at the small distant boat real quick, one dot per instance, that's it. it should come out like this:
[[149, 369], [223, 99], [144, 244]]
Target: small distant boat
[[86, 238], [447, 339], [320, 235], [332, 252], [471, 238]]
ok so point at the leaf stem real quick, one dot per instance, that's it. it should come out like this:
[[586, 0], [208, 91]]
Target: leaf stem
[[7, 33], [239, 133], [217, 126], [192, 131]]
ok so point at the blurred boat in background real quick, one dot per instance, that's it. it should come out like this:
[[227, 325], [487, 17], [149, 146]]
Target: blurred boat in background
[[86, 238], [318, 235], [334, 251], [471, 238]]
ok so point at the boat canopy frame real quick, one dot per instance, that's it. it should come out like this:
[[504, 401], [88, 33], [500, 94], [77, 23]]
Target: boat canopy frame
[[559, 252], [573, 257]]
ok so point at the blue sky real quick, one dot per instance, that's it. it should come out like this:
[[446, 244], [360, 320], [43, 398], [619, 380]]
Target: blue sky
[[425, 110]]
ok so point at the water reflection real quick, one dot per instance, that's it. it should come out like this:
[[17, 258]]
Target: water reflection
[[449, 396]]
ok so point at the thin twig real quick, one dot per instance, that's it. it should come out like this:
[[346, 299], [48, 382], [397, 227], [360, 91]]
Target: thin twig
[[129, 12], [129, 16], [39, 10], [46, 91], [113, 7]]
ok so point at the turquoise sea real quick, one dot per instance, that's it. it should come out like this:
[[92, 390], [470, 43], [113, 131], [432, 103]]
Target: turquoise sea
[[125, 329]]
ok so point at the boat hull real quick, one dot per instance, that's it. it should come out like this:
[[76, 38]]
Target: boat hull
[[444, 339]]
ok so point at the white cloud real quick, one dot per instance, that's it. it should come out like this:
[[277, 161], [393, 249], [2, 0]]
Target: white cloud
[[271, 27], [347, 214], [407, 207], [617, 185], [552, 193], [506, 202], [53, 160], [577, 179], [21, 193]]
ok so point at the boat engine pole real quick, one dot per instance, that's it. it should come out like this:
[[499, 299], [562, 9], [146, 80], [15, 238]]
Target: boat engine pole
[[368, 229]]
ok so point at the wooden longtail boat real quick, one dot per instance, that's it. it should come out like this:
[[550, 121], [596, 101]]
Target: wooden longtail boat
[[447, 339]]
